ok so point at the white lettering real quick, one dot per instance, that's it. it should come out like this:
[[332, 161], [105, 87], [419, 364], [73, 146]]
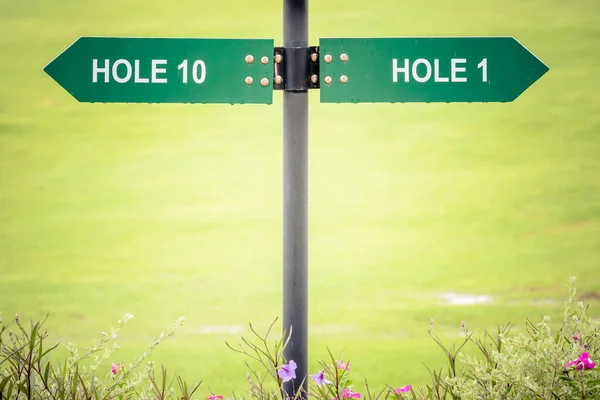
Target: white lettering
[[415, 72], [96, 70], [396, 70], [115, 70], [436, 68], [199, 63], [156, 71], [183, 66], [483, 66], [137, 78], [454, 69]]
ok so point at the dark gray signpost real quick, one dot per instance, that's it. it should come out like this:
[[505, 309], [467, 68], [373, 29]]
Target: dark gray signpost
[[163, 70], [295, 187]]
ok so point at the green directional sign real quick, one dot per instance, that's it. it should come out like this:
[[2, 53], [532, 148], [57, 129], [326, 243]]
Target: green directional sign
[[165, 70], [428, 69]]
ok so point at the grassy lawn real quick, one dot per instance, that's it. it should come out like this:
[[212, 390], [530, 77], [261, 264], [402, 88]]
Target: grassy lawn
[[175, 210]]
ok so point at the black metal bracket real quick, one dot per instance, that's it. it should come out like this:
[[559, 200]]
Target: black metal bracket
[[296, 69], [314, 69]]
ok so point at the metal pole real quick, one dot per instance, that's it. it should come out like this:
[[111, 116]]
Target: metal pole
[[295, 203]]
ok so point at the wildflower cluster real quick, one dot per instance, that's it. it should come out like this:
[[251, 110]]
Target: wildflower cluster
[[544, 364], [333, 382], [28, 372], [340, 387]]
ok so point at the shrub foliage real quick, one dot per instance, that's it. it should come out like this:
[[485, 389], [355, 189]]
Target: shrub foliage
[[541, 363]]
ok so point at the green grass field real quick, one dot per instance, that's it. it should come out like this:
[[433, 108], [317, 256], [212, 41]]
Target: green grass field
[[176, 210]]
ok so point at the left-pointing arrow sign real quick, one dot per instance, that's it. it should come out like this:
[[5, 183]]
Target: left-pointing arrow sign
[[166, 70]]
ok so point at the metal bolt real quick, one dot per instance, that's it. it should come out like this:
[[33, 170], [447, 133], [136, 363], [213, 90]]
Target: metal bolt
[[248, 80], [314, 57], [264, 81], [328, 80], [344, 57], [278, 79], [314, 78], [249, 58], [278, 58], [344, 79], [328, 58], [264, 59]]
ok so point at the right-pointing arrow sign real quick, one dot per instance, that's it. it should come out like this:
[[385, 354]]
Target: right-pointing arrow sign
[[432, 69]]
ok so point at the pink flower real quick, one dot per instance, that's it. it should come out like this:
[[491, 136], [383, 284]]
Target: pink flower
[[403, 389], [115, 368], [215, 397], [349, 394], [582, 363], [342, 366]]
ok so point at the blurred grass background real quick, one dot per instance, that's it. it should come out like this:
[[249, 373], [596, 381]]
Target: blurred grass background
[[175, 210]]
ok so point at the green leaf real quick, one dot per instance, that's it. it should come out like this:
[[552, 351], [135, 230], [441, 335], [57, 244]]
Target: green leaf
[[566, 378], [332, 358], [4, 383], [40, 348], [83, 386], [21, 386], [10, 389], [46, 373], [74, 387], [32, 384], [49, 350], [34, 331]]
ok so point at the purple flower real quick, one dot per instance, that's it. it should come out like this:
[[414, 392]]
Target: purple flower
[[288, 371], [319, 378], [403, 389], [582, 363]]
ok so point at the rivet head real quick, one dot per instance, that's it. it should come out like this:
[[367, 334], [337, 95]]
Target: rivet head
[[278, 79], [328, 58], [278, 58], [249, 58], [344, 57], [314, 78], [264, 59], [328, 80], [314, 57], [248, 80], [264, 81], [344, 79]]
